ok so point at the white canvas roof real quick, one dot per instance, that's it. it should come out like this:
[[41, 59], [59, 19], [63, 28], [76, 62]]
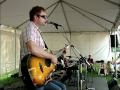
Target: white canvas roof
[[73, 15]]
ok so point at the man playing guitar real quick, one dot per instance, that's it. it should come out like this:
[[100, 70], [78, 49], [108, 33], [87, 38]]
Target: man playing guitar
[[31, 42]]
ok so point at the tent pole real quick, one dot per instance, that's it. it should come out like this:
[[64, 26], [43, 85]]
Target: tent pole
[[115, 58], [117, 4], [0, 56], [66, 19], [15, 50], [0, 51], [53, 9], [116, 20], [2, 2]]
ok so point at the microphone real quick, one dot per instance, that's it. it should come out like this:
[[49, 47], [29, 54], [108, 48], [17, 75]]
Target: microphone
[[55, 24]]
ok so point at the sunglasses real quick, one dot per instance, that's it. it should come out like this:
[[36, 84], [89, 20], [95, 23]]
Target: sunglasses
[[43, 16]]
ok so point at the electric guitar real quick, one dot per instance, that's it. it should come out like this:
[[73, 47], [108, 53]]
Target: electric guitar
[[37, 70]]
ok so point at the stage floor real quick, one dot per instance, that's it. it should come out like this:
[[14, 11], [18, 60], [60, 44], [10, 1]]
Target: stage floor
[[93, 83], [99, 83]]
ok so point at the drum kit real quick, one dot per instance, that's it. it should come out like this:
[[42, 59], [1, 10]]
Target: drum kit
[[72, 61], [61, 71], [77, 63]]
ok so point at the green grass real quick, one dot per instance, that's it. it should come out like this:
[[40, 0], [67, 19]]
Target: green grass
[[107, 77], [6, 79]]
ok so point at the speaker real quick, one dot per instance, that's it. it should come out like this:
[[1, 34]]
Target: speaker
[[112, 83], [2, 88], [116, 87], [113, 40]]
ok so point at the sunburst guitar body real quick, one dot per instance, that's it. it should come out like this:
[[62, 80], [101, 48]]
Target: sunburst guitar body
[[37, 69]]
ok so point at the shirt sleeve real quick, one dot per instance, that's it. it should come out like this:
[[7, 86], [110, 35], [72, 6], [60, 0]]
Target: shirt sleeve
[[29, 35]]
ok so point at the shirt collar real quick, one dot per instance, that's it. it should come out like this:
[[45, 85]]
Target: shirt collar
[[35, 26]]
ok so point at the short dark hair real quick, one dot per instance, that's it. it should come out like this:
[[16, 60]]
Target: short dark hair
[[34, 11]]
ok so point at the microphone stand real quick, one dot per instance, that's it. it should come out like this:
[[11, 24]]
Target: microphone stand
[[80, 85], [79, 73]]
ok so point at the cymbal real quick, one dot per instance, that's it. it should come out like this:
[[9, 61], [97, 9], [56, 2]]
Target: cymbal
[[101, 61], [72, 56]]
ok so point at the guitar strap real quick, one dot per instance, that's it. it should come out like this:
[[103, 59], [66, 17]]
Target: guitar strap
[[45, 45], [43, 40]]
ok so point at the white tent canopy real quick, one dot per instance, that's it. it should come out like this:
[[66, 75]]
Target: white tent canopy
[[74, 15]]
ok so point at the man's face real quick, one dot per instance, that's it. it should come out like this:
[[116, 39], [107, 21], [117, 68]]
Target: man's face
[[42, 18]]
